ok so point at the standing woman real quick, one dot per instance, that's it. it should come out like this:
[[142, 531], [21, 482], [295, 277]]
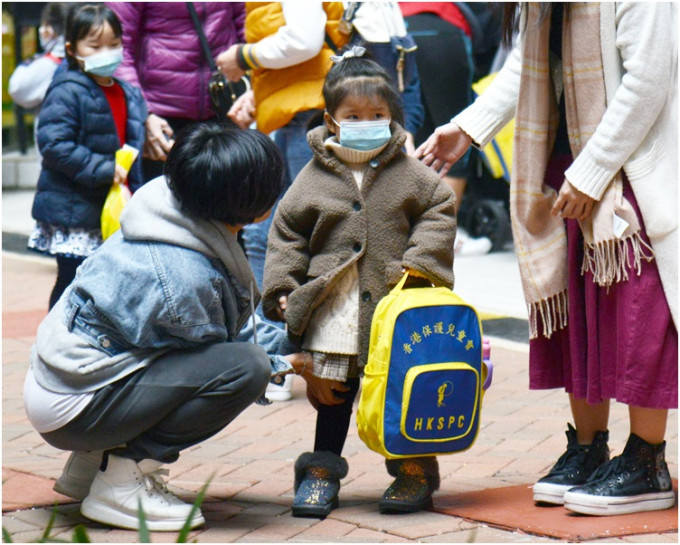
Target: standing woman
[[593, 87]]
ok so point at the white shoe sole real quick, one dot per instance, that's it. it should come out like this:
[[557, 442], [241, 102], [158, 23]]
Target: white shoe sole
[[550, 493], [113, 516], [279, 396], [588, 504]]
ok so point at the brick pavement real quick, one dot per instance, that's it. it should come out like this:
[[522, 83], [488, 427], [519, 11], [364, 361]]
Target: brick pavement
[[252, 460]]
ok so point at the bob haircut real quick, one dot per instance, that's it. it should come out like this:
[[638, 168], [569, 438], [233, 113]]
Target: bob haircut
[[83, 19], [218, 172], [361, 76]]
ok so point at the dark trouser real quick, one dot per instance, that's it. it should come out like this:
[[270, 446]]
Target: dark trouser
[[66, 272], [332, 421], [181, 399]]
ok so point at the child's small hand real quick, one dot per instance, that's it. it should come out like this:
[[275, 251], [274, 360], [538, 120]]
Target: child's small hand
[[119, 175], [321, 391], [283, 305]]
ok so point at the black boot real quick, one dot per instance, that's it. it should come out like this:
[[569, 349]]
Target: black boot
[[317, 483], [637, 480], [573, 467], [411, 491]]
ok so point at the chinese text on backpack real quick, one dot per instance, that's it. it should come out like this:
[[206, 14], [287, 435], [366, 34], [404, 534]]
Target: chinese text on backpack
[[422, 387]]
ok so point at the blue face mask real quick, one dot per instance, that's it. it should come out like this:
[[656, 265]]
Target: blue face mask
[[364, 135], [103, 64]]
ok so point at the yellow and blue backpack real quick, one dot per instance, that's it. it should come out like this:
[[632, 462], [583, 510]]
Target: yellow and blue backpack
[[424, 380]]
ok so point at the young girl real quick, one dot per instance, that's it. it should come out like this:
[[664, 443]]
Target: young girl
[[358, 215], [86, 116]]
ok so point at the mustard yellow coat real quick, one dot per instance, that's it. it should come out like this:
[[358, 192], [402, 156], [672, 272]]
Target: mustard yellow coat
[[282, 93]]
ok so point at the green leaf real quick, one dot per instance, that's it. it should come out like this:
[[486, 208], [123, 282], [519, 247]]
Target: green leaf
[[186, 529], [143, 529], [80, 535]]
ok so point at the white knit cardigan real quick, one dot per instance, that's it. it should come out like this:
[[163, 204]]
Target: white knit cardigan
[[638, 132]]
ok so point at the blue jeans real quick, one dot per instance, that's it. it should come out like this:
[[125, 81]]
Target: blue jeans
[[292, 141]]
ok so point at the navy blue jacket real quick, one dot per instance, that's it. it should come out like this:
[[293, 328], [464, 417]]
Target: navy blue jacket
[[78, 140]]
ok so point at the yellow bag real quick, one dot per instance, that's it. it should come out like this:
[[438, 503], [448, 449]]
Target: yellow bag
[[118, 195], [497, 154], [422, 390]]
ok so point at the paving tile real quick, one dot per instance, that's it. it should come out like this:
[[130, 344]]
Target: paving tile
[[327, 530], [271, 533], [514, 508], [23, 491], [364, 535]]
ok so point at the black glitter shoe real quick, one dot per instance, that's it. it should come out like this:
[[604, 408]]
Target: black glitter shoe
[[411, 491], [317, 483], [573, 467], [637, 480]]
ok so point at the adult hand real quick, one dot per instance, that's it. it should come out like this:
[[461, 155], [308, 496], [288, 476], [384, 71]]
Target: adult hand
[[119, 174], [571, 203], [302, 362], [321, 391], [443, 148], [159, 138], [410, 144], [227, 63], [242, 112]]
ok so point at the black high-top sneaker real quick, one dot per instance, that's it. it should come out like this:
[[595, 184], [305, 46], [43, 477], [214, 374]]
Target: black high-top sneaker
[[573, 467], [637, 480]]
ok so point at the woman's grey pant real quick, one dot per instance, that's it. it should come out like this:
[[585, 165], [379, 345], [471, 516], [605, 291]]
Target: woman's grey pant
[[181, 399]]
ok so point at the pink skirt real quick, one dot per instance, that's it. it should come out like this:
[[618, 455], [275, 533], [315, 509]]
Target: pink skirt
[[620, 343]]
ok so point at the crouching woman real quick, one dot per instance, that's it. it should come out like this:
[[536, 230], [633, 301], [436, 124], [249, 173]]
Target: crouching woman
[[143, 355]]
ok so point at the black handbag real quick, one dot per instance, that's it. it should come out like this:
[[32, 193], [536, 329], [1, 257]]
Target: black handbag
[[222, 92]]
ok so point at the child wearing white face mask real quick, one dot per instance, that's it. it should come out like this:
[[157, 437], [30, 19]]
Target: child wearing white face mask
[[86, 116], [358, 215]]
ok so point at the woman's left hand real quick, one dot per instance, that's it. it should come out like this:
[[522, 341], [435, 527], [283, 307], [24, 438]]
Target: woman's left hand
[[571, 203], [227, 64]]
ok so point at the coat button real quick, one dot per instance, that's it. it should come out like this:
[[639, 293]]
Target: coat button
[[366, 296], [106, 343], [373, 163], [356, 247], [357, 206]]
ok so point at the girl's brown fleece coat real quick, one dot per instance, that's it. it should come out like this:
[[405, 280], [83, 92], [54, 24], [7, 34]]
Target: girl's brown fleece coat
[[403, 216]]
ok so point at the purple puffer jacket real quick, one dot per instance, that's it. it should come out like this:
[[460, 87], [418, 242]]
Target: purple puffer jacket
[[162, 54]]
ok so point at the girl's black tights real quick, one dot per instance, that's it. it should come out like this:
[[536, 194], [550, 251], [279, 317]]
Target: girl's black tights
[[66, 272], [332, 421]]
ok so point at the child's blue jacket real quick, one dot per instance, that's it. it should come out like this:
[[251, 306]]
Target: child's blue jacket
[[78, 140]]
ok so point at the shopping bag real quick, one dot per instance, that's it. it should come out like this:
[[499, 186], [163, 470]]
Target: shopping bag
[[118, 195], [423, 382]]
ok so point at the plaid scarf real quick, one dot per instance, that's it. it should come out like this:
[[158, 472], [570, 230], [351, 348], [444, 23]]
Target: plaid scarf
[[540, 238]]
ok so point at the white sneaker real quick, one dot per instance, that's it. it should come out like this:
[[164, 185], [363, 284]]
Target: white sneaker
[[115, 493], [282, 392], [465, 246], [78, 473]]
